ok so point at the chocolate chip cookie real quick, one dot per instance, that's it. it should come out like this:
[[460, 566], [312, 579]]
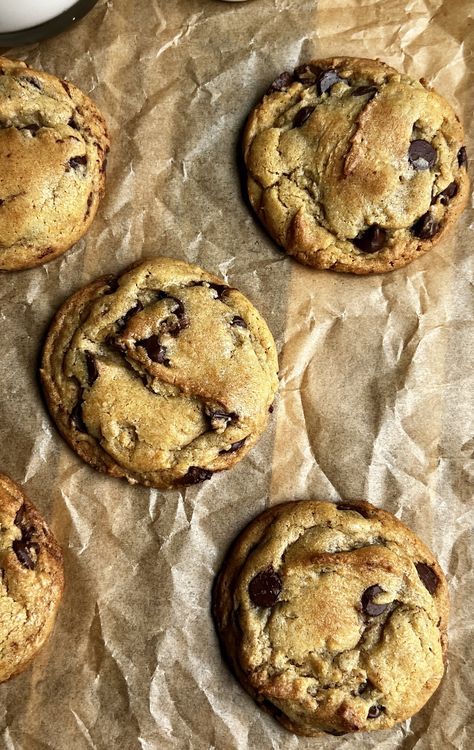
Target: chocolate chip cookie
[[353, 166], [53, 146], [334, 617], [163, 375], [32, 580]]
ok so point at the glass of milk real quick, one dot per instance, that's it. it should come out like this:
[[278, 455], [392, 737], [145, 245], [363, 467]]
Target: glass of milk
[[26, 21]]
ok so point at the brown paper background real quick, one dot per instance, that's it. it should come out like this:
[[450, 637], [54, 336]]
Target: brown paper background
[[376, 395]]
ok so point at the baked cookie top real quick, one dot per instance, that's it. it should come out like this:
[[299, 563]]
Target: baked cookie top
[[353, 166], [31, 583], [162, 375], [53, 146], [334, 617]]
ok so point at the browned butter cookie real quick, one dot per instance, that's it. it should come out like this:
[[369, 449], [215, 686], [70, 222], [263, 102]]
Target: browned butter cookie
[[333, 616], [32, 580], [163, 375], [53, 146], [353, 166]]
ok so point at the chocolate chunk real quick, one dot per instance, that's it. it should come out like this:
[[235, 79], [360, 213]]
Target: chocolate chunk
[[33, 128], [427, 576], [354, 508], [448, 193], [76, 416], [328, 79], [375, 711], [175, 328], [122, 322], [462, 157], [156, 351], [221, 289], [281, 83], [219, 418], [369, 606], [364, 90], [265, 588], [270, 409], [238, 321], [33, 82], [90, 200], [301, 116], [195, 475], [21, 551], [306, 73], [364, 687], [26, 533], [2, 202], [235, 446], [73, 124], [19, 515], [421, 155], [372, 240], [92, 370], [113, 284], [77, 161], [426, 227]]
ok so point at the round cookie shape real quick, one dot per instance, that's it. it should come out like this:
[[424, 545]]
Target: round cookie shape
[[353, 166], [333, 617], [163, 375], [53, 147], [32, 580]]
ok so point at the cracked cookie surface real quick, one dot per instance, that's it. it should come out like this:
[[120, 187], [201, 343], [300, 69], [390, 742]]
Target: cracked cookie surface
[[163, 375], [333, 616], [353, 166], [53, 147], [32, 580]]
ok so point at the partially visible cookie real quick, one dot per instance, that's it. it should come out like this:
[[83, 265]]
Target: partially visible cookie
[[334, 617], [53, 147], [353, 166], [163, 375], [32, 580]]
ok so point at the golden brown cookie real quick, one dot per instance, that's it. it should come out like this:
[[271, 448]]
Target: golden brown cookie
[[355, 167], [32, 580], [163, 375], [53, 146], [334, 617]]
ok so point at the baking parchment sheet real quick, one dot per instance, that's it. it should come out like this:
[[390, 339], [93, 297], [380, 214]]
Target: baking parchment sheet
[[376, 397]]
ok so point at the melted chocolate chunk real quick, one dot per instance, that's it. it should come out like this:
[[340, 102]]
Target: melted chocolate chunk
[[301, 116], [328, 79], [234, 447], [364, 90], [77, 161], [426, 227], [281, 83], [354, 508], [122, 322], [221, 289], [113, 284], [33, 82], [238, 321], [90, 200], [270, 409], [73, 124], [375, 711], [427, 576], [92, 370], [265, 588], [368, 605], [196, 474], [448, 193], [372, 240], [19, 515], [462, 157], [76, 416], [421, 155], [155, 350], [21, 551]]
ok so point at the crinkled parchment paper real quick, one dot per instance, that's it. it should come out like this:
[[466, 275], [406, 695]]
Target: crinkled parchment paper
[[376, 398]]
